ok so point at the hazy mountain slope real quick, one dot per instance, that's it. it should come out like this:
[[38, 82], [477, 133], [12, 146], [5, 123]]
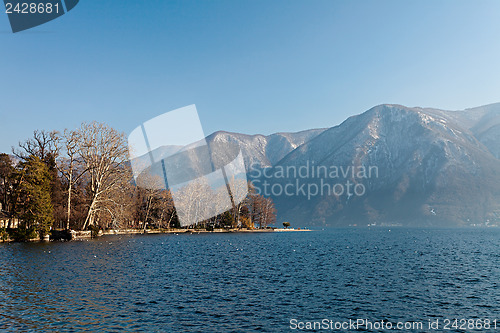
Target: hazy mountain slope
[[430, 170], [483, 122]]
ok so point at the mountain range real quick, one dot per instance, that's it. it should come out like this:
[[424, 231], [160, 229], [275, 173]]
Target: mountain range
[[433, 168]]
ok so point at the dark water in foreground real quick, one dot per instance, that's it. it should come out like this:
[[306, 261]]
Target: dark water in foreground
[[250, 282]]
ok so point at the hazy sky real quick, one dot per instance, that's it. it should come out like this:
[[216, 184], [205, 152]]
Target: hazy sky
[[249, 66]]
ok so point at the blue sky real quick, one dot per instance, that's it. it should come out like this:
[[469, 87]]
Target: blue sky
[[249, 66]]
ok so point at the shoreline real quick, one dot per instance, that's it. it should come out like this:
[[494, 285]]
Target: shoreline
[[79, 234], [84, 235]]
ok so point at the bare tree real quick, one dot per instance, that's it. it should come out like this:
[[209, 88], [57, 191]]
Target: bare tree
[[223, 203], [269, 212], [239, 192], [261, 209], [152, 186], [103, 151], [68, 165], [166, 205], [194, 202], [117, 205], [42, 145]]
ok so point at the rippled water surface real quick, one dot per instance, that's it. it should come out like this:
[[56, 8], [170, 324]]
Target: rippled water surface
[[249, 282]]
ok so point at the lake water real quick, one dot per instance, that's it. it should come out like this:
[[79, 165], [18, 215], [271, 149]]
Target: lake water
[[250, 282]]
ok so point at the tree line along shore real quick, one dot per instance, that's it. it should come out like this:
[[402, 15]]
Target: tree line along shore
[[57, 183]]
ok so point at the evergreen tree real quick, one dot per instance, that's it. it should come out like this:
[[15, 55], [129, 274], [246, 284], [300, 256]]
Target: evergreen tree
[[34, 205]]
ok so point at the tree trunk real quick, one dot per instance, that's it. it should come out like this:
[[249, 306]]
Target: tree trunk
[[148, 208], [89, 220], [70, 187], [170, 220]]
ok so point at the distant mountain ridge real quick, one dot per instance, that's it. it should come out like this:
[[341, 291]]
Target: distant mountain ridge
[[435, 167], [264, 150]]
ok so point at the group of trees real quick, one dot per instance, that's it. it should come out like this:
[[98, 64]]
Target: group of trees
[[81, 179], [241, 205]]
